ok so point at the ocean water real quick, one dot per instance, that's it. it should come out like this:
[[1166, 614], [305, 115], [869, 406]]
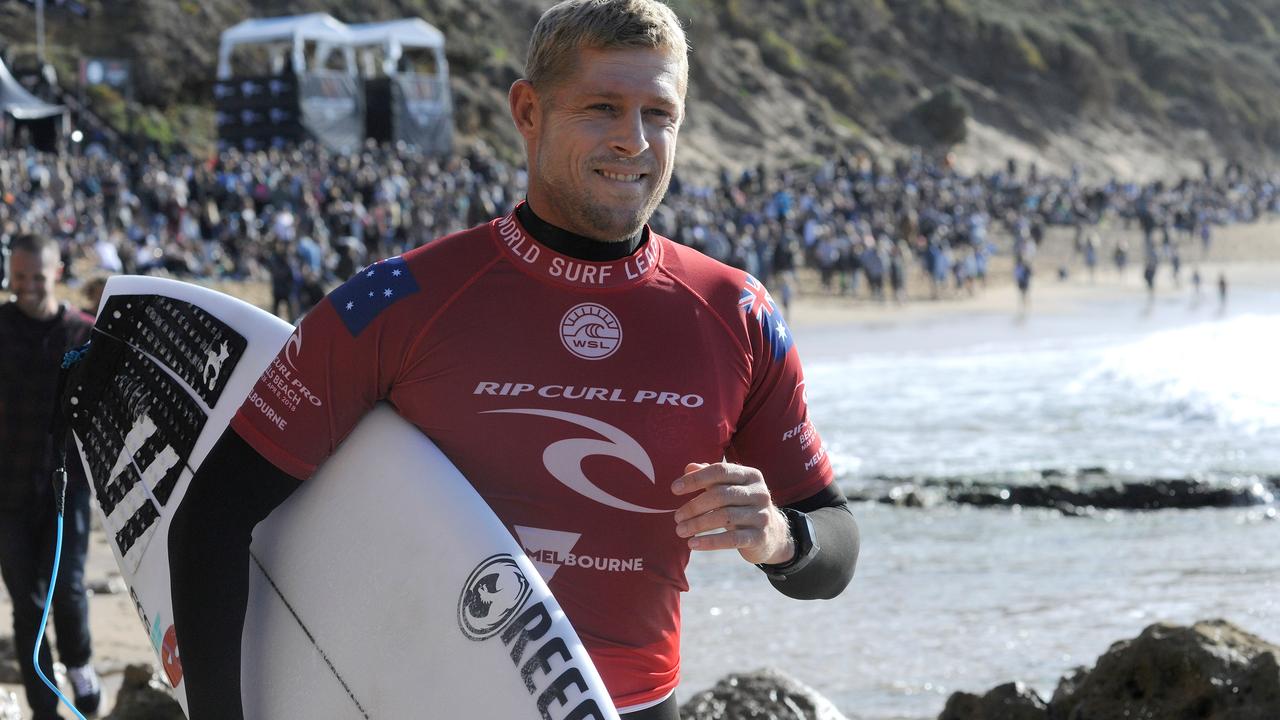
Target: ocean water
[[959, 598], [1198, 399]]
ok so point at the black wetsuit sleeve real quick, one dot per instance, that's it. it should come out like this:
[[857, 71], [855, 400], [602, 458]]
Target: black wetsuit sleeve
[[838, 542], [234, 489]]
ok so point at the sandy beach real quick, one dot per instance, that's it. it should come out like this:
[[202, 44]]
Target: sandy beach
[[1247, 255]]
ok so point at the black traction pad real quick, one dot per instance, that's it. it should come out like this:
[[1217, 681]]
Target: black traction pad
[[133, 420], [195, 345]]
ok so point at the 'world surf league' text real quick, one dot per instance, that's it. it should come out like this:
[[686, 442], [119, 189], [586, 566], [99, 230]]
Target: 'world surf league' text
[[593, 274]]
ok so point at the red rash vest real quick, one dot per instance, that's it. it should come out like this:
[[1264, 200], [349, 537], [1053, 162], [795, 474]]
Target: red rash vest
[[571, 394]]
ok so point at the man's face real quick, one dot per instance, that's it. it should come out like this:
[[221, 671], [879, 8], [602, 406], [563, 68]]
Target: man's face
[[602, 141], [32, 277]]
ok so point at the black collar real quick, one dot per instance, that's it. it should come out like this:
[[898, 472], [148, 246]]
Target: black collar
[[575, 245]]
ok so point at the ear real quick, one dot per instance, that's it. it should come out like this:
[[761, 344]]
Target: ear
[[525, 108]]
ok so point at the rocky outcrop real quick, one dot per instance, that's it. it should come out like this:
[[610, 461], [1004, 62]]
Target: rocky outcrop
[[757, 695], [1083, 492], [1011, 701], [1153, 495], [1212, 670], [143, 696]]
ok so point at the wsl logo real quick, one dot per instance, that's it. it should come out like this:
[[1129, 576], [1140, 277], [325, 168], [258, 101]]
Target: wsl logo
[[495, 591], [590, 331]]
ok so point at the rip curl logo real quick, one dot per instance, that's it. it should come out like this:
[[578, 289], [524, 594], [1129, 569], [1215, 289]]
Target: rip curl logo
[[494, 592], [293, 347], [590, 331], [563, 459]]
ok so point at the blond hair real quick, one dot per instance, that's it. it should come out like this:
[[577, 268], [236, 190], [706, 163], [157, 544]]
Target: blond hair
[[572, 25]]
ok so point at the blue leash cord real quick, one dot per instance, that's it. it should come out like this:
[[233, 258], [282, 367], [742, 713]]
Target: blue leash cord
[[58, 430], [48, 601]]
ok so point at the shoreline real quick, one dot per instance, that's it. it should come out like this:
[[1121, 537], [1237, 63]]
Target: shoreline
[[1248, 255]]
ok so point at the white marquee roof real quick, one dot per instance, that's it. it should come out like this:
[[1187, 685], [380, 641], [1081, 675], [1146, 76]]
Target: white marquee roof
[[409, 32], [328, 31]]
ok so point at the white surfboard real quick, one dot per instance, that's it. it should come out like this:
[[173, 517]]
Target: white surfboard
[[384, 587]]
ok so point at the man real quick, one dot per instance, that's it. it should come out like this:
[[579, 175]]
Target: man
[[519, 344], [35, 330]]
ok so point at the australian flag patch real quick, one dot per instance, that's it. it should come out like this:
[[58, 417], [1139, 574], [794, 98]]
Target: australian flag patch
[[362, 298], [756, 302]]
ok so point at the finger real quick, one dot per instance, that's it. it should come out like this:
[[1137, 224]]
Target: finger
[[728, 540], [719, 496], [725, 518], [715, 474], [696, 477]]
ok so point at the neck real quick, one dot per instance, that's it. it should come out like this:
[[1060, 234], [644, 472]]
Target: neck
[[46, 311], [574, 245]]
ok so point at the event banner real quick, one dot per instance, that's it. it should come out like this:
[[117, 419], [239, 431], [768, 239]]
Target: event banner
[[331, 108], [423, 114]]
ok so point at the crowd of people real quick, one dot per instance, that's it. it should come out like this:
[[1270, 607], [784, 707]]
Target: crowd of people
[[303, 219]]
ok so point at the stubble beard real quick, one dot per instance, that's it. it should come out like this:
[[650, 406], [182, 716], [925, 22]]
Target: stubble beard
[[597, 219], [617, 225]]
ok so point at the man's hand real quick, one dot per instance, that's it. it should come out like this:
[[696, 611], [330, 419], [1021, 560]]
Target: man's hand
[[733, 498]]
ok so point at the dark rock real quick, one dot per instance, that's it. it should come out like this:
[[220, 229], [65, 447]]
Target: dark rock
[[913, 497], [1115, 495], [143, 696], [1212, 670], [1070, 684], [760, 695], [1079, 494], [1011, 701]]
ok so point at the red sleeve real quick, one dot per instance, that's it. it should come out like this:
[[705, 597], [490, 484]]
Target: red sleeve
[[342, 359], [774, 433]]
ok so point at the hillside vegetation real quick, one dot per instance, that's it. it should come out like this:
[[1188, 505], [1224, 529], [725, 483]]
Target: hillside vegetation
[[1124, 86]]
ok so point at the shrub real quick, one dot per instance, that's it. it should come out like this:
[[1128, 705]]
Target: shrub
[[944, 114], [780, 54]]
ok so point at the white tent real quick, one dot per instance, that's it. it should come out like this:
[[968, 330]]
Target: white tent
[[338, 107], [395, 35], [25, 117], [17, 101], [292, 32]]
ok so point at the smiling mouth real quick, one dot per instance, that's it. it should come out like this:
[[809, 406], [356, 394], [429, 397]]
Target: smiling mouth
[[620, 177]]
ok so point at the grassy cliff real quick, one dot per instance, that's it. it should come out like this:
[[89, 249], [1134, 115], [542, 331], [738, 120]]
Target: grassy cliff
[[1110, 84]]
